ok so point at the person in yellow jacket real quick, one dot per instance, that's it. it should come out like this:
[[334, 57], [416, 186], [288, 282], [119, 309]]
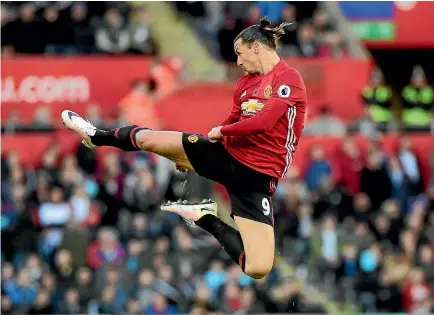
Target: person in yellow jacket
[[418, 100], [377, 97]]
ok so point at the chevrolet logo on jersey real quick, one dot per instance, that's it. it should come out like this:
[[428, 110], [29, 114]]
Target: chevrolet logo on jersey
[[251, 107]]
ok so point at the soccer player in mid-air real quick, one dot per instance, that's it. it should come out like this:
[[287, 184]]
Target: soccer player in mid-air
[[250, 150]]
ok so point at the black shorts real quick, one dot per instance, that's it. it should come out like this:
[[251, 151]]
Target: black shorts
[[250, 191]]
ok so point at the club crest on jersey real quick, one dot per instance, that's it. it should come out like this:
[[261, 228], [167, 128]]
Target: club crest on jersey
[[193, 138], [284, 91], [267, 92]]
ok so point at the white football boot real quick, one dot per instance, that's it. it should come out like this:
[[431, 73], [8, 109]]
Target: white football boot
[[191, 212], [80, 126]]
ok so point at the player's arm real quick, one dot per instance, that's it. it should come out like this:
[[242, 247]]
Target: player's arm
[[262, 122], [233, 117]]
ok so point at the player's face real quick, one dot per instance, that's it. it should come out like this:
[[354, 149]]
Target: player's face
[[247, 58]]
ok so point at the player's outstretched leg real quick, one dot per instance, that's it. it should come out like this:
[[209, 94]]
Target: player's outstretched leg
[[204, 215], [129, 138], [252, 249]]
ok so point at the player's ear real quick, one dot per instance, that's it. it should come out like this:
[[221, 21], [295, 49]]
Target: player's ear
[[255, 47]]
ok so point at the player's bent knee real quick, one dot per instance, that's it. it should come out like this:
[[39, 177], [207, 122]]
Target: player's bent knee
[[145, 140], [257, 270]]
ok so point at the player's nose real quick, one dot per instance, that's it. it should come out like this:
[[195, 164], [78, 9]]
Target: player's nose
[[239, 61]]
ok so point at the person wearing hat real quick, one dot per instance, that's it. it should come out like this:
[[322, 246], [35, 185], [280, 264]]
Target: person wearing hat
[[417, 100], [377, 97]]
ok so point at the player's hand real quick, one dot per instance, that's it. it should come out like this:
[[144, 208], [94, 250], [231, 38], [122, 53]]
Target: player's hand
[[215, 133], [180, 168]]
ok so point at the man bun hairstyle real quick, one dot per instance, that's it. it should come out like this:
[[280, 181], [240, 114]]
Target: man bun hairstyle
[[264, 32]]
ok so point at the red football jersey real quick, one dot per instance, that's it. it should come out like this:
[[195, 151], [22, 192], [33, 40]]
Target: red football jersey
[[267, 119]]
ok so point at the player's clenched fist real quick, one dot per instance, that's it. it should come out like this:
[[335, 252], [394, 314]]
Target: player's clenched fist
[[215, 133]]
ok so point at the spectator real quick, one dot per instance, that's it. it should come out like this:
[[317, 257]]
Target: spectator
[[215, 276], [249, 303], [418, 100], [41, 304], [35, 267], [389, 297], [145, 288], [26, 31], [114, 277], [289, 15], [165, 284], [108, 304], [112, 37], [84, 285], [6, 306], [375, 182], [160, 306], [22, 292], [94, 115], [322, 25], [307, 45], [410, 165], [8, 272], [426, 261], [7, 34], [381, 229], [231, 298], [133, 307], [326, 247], [13, 121], [139, 227], [110, 187], [83, 30], [70, 176], [371, 262], [138, 105], [325, 124], [49, 284], [140, 32], [105, 249], [318, 168], [287, 297], [71, 305], [139, 190], [415, 291], [55, 212], [64, 268], [42, 117], [400, 184], [349, 165], [225, 37], [49, 168], [80, 205], [59, 33], [254, 15], [408, 244], [333, 47], [134, 254], [349, 266]]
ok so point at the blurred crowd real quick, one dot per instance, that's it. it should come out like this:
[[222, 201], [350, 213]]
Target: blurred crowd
[[311, 33], [364, 226], [71, 27], [82, 232]]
